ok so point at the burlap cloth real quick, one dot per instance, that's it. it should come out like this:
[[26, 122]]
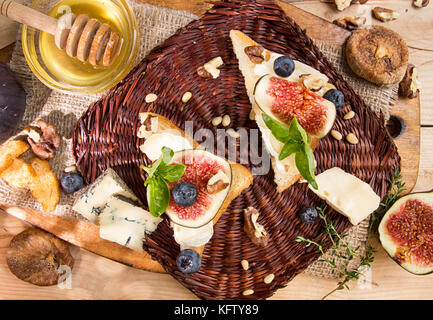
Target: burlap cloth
[[156, 25]]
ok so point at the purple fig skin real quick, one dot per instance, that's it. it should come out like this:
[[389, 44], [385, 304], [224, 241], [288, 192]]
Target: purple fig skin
[[12, 102]]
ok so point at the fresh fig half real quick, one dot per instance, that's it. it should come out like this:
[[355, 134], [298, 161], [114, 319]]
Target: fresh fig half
[[284, 100], [406, 232], [201, 167]]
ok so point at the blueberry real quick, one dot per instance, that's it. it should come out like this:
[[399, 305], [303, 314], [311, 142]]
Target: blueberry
[[335, 96], [308, 215], [72, 182], [184, 194], [284, 66], [188, 261]]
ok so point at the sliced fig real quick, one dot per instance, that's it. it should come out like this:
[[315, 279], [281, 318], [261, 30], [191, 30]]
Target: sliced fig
[[406, 232], [284, 100], [201, 166]]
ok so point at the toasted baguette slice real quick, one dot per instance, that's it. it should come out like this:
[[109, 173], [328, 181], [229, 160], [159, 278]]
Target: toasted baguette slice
[[241, 176], [286, 172]]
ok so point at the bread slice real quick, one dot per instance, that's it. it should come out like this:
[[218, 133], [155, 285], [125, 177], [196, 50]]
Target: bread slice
[[285, 172], [241, 176]]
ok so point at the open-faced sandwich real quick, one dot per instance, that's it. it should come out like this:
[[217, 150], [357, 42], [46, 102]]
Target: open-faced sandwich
[[198, 185], [285, 92], [192, 186]]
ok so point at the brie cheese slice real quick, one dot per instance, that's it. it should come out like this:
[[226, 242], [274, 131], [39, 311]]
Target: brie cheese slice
[[193, 237], [346, 194], [153, 145]]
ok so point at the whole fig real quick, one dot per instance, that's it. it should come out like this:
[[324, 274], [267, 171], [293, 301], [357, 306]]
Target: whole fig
[[12, 102]]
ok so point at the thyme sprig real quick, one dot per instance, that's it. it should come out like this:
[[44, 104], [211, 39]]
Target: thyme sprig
[[396, 190], [346, 255]]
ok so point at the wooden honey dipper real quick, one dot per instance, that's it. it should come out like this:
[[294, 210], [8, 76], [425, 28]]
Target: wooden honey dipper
[[82, 38]]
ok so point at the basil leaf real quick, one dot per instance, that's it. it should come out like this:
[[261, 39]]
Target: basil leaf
[[297, 132], [158, 196], [171, 173], [279, 130], [152, 169], [289, 148], [167, 154], [305, 164]]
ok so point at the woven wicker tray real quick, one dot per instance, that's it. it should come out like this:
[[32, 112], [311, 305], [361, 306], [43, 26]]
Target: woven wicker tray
[[106, 137]]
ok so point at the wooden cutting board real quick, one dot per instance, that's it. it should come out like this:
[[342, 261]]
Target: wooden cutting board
[[86, 235]]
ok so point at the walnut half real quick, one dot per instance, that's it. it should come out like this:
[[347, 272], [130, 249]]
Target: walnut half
[[218, 182], [350, 23], [410, 85], [43, 139], [211, 69], [342, 4], [420, 3], [384, 14], [255, 231], [255, 53]]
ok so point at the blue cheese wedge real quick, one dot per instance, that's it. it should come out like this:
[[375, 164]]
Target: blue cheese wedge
[[121, 208], [125, 233], [123, 221], [91, 202], [346, 194]]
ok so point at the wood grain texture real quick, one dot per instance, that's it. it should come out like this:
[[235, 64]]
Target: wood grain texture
[[85, 235], [116, 281]]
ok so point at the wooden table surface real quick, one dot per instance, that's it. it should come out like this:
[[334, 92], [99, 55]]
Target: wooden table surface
[[387, 280]]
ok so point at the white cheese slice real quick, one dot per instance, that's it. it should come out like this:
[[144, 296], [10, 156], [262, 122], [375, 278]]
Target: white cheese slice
[[92, 200], [193, 237], [347, 194], [153, 145], [121, 208]]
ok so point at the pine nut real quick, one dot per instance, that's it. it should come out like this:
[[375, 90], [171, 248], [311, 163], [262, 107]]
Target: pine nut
[[337, 135], [248, 292], [269, 278], [71, 168], [245, 264], [186, 97], [351, 138], [349, 115], [216, 121], [252, 115], [226, 120], [151, 97]]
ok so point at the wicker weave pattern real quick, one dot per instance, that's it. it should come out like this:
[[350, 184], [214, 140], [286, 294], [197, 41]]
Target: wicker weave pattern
[[106, 137]]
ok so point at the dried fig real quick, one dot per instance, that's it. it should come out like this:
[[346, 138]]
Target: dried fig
[[378, 55], [35, 256]]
